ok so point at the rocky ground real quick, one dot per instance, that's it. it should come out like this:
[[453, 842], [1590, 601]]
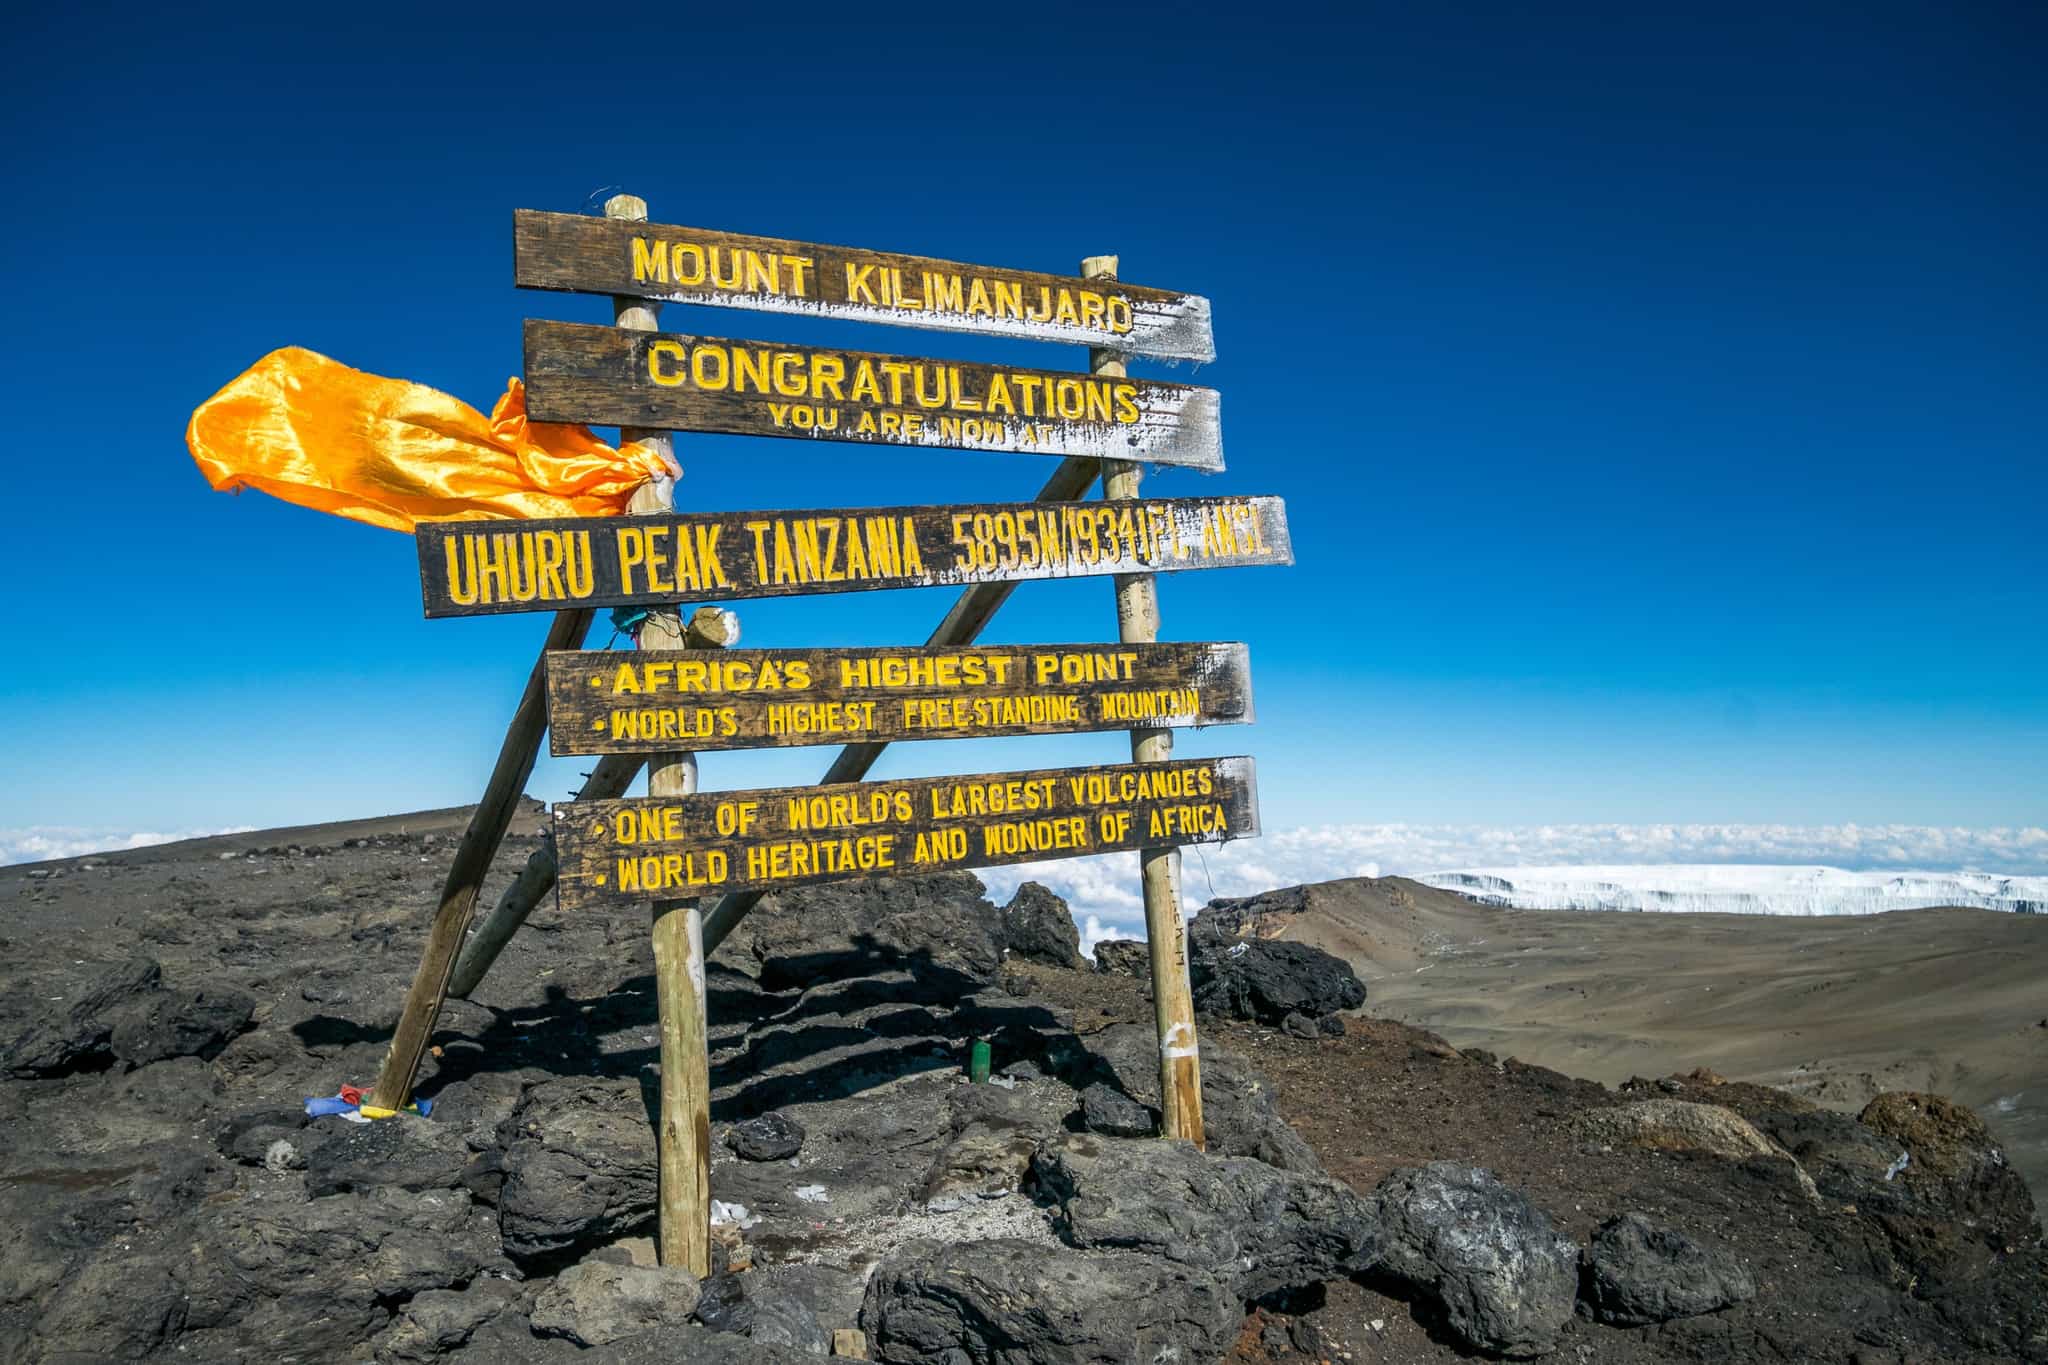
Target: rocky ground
[[1369, 1193]]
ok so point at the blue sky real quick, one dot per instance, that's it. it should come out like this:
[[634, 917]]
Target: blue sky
[[1656, 391]]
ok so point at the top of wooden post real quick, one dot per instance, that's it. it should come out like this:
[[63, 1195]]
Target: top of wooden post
[[630, 207], [1098, 267]]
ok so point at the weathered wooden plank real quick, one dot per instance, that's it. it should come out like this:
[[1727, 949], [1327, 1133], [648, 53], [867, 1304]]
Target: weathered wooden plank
[[621, 852], [577, 373], [610, 702], [468, 568], [567, 251]]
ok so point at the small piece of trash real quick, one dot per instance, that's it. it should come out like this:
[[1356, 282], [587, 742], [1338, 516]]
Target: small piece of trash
[[812, 1194], [735, 1215], [1905, 1158], [1379, 1324], [1239, 950], [1006, 1082], [945, 1203]]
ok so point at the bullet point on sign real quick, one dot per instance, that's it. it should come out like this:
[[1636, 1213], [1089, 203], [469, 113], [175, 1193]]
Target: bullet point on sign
[[599, 879], [596, 830], [597, 725], [596, 681]]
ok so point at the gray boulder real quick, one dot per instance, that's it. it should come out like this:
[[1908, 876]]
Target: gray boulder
[[943, 927], [1124, 957], [595, 1304], [163, 1024], [1238, 1116], [1037, 925], [63, 1020], [439, 1321], [1011, 1302], [1268, 979], [1258, 1229], [1503, 1276], [405, 1153], [579, 1168], [782, 1317], [1640, 1272], [773, 1136], [275, 1273], [1107, 1110]]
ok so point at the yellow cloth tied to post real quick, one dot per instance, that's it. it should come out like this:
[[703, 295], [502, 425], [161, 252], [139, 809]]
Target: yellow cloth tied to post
[[312, 431]]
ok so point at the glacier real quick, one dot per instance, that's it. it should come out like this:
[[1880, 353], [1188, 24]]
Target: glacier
[[1739, 889]]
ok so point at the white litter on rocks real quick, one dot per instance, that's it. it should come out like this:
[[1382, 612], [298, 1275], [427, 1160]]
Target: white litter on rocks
[[736, 1215], [813, 1194]]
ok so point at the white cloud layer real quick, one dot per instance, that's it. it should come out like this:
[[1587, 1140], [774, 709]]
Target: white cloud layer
[[1103, 891], [40, 843]]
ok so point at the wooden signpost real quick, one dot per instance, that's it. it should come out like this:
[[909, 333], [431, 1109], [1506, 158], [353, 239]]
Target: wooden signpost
[[623, 852], [604, 702], [470, 568], [660, 704], [760, 388], [725, 269]]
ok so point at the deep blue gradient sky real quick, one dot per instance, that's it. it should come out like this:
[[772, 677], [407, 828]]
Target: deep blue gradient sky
[[1658, 393]]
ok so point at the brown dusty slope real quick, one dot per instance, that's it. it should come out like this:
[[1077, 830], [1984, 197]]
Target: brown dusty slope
[[1834, 1008]]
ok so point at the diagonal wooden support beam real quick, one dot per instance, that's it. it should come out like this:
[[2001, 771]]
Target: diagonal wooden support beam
[[487, 826]]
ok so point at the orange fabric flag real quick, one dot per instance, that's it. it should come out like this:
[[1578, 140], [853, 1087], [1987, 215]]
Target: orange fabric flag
[[313, 431]]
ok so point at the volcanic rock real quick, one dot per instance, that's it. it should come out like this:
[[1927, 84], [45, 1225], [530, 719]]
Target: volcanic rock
[[1123, 957], [594, 1304], [1268, 979], [1037, 925], [1505, 1279], [773, 1136], [63, 1020], [187, 1023], [1012, 1302], [1238, 1116], [941, 926], [1640, 1272], [1107, 1110], [1259, 1229], [579, 1168]]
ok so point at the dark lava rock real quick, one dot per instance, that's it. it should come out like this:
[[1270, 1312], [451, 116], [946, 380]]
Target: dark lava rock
[[1012, 1302], [1238, 1116], [440, 1321], [594, 1303], [579, 1168], [773, 1136], [1124, 957], [63, 1019], [165, 1024], [1302, 1026], [405, 1153], [1105, 1109], [1268, 979], [722, 1305], [1260, 1230], [943, 927], [783, 1318], [247, 1136], [275, 1274], [1503, 1276], [115, 1309], [1037, 925], [669, 1345], [1639, 1272], [1233, 916], [1957, 1170], [1847, 1161]]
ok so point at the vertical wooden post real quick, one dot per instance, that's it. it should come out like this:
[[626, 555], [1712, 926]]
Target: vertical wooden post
[[1173, 1004], [683, 1123]]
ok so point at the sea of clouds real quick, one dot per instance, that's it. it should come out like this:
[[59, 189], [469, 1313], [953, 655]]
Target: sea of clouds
[[1104, 894], [1648, 862], [40, 843]]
